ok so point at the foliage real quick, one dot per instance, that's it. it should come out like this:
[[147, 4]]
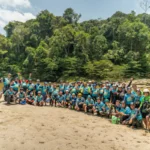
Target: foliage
[[60, 47]]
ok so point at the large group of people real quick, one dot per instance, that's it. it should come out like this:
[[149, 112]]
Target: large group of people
[[116, 100]]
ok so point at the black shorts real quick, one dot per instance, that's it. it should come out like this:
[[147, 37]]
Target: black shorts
[[80, 106], [89, 107]]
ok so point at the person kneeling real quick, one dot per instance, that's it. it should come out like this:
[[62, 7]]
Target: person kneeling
[[135, 118], [105, 110], [39, 99], [89, 103], [30, 98], [80, 102], [21, 97]]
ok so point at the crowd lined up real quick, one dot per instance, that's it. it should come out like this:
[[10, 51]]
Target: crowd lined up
[[127, 103]]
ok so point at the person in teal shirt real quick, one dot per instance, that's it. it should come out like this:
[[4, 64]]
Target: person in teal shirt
[[67, 98], [9, 95], [60, 99], [89, 103], [55, 94], [135, 118], [86, 90], [21, 95], [79, 102], [105, 109], [6, 82], [39, 99], [95, 92], [73, 89], [24, 85], [138, 98], [30, 98], [37, 86], [61, 87], [30, 87], [124, 112], [44, 92], [106, 94], [15, 86], [129, 97], [98, 106]]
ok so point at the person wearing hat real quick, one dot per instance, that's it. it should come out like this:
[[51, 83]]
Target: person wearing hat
[[145, 108], [129, 97], [6, 82], [98, 106], [67, 98], [9, 95], [135, 118], [79, 102], [39, 99], [106, 94], [124, 112], [30, 87], [21, 96], [73, 100], [30, 99], [61, 86], [89, 103], [37, 86]]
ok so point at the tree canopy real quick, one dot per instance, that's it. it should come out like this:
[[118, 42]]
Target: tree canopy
[[60, 47]]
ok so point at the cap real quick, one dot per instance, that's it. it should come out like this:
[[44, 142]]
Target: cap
[[38, 80], [39, 92], [123, 102], [106, 100], [132, 103], [89, 96], [45, 82], [79, 94], [98, 98], [146, 91]]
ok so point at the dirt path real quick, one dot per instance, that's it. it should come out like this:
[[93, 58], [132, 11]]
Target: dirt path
[[48, 128]]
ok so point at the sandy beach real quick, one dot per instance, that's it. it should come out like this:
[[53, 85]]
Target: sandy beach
[[49, 128]]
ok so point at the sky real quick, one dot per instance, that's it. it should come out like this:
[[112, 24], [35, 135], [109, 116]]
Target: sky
[[23, 10]]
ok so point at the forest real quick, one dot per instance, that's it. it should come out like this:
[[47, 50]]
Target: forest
[[56, 48]]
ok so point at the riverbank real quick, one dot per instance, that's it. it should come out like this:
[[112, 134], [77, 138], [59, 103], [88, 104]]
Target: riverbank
[[50, 128]]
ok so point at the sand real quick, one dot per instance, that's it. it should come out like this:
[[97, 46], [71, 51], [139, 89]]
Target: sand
[[49, 128]]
